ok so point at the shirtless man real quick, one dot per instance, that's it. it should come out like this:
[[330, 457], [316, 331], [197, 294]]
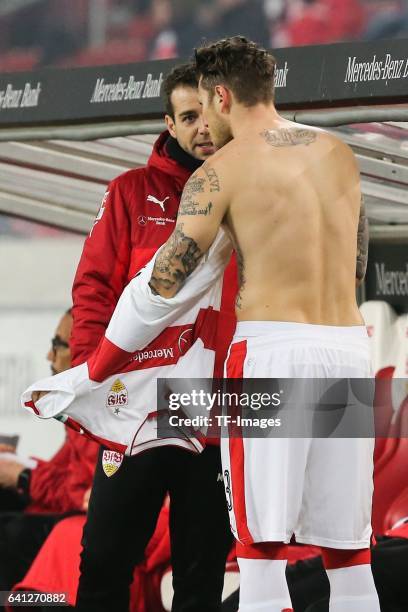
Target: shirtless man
[[290, 198]]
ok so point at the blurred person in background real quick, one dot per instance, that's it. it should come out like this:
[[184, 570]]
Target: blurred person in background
[[195, 21], [137, 216], [182, 24], [33, 500], [212, 19], [163, 44], [58, 33], [245, 18], [309, 22], [390, 20]]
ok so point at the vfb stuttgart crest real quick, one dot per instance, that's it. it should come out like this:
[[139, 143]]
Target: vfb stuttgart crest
[[111, 462], [117, 396]]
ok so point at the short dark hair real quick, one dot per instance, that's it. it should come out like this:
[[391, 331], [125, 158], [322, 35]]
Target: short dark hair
[[184, 75], [239, 64]]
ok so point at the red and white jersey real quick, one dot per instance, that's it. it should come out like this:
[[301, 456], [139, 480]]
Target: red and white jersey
[[112, 398]]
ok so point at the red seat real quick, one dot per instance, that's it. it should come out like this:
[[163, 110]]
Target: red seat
[[383, 415], [390, 480], [141, 27], [56, 567], [398, 512], [18, 60], [114, 52]]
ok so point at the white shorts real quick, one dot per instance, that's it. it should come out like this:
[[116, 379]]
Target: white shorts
[[319, 489]]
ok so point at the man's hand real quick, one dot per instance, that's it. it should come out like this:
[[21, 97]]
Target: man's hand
[[9, 473], [36, 395]]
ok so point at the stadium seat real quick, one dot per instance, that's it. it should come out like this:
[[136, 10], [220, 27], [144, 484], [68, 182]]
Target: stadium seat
[[384, 411], [140, 28], [114, 52], [391, 479], [397, 514], [400, 390], [19, 60], [382, 326], [380, 319], [56, 567]]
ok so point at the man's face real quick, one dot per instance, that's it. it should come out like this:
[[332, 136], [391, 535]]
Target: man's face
[[59, 354], [220, 130], [188, 126]]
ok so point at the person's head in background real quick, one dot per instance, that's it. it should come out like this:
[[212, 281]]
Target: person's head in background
[[59, 354], [184, 117]]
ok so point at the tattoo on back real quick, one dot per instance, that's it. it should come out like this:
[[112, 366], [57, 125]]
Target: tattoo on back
[[362, 243], [175, 262], [289, 137]]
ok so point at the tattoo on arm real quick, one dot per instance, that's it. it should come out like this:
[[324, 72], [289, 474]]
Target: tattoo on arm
[[181, 254], [362, 244], [189, 204], [241, 277], [289, 137], [174, 263], [212, 177]]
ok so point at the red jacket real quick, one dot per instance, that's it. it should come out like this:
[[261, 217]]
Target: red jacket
[[130, 229], [59, 485]]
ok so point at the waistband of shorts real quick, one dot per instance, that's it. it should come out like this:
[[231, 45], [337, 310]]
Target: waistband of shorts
[[286, 331]]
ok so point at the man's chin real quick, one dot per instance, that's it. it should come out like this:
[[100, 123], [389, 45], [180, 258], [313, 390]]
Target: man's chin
[[203, 153]]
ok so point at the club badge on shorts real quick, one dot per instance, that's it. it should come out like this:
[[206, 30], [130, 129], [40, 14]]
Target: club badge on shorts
[[111, 462]]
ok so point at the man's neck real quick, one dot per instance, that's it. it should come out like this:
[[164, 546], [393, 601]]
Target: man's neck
[[247, 120], [181, 156]]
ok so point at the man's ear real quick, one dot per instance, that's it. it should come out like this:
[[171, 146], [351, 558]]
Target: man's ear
[[171, 126], [223, 98]]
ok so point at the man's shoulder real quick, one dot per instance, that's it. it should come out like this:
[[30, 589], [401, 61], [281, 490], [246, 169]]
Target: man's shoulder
[[135, 177], [326, 136], [222, 158], [129, 177]]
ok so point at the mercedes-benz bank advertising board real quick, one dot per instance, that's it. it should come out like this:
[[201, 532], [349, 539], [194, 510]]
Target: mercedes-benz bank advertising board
[[306, 76]]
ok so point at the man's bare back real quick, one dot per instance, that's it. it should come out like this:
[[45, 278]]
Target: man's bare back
[[290, 198], [293, 217]]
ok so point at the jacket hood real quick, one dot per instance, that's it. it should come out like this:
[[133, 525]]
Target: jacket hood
[[161, 160]]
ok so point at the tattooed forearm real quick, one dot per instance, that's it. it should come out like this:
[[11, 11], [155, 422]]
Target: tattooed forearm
[[289, 137], [241, 277], [362, 244], [212, 177], [177, 259]]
